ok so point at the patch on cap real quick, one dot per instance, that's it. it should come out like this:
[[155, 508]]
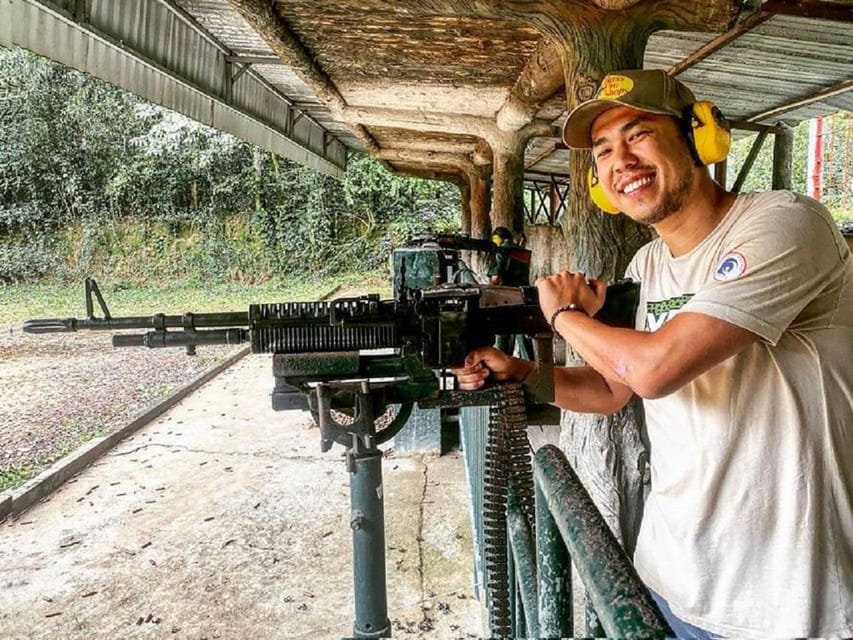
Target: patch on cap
[[614, 87], [732, 266]]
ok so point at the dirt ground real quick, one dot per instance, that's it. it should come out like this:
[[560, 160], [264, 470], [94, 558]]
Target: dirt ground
[[61, 389], [223, 520]]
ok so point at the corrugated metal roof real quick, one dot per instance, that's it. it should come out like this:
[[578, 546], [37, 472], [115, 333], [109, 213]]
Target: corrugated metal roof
[[156, 50], [378, 54], [781, 60]]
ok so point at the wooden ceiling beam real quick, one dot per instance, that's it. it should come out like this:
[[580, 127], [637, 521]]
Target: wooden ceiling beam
[[540, 79], [552, 147], [434, 161], [428, 158], [263, 18], [428, 174], [422, 121], [423, 144]]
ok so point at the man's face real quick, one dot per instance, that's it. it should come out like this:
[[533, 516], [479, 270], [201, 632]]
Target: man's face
[[643, 163]]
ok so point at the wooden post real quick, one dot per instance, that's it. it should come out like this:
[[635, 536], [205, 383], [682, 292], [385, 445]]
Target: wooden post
[[465, 213], [508, 181], [480, 225], [783, 153]]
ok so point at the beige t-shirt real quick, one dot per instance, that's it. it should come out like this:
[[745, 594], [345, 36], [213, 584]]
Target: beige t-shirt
[[748, 529]]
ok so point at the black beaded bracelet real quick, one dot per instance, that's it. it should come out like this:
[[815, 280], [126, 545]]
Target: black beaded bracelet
[[566, 307]]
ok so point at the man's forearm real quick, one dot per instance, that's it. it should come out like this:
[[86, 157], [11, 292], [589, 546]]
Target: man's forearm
[[614, 353], [654, 364], [585, 390]]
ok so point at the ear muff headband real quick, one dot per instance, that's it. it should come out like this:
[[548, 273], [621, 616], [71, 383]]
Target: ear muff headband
[[710, 132]]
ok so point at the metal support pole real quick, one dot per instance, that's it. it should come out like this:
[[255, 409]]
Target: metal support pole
[[721, 171], [368, 539], [783, 155], [554, 570], [621, 600], [750, 159]]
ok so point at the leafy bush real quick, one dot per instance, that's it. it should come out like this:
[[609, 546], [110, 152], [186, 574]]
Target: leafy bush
[[95, 181]]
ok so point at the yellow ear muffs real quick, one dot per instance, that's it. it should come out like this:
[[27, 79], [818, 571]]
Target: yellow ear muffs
[[596, 192], [712, 133]]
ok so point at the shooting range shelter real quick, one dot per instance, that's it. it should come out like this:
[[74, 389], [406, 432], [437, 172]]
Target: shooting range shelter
[[469, 92]]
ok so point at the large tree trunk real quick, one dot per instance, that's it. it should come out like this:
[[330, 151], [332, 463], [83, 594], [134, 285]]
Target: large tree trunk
[[608, 452], [551, 251]]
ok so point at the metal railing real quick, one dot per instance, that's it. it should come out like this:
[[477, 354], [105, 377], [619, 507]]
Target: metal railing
[[523, 563], [570, 528]]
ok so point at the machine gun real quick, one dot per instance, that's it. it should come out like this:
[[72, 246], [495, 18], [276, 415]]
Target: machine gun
[[357, 356]]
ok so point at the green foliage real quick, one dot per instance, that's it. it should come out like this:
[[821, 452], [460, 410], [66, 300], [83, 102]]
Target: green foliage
[[93, 181], [837, 193]]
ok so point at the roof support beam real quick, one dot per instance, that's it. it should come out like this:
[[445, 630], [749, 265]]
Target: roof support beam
[[436, 161], [829, 92], [262, 17], [719, 42], [552, 147], [750, 160], [240, 59], [424, 121], [540, 79]]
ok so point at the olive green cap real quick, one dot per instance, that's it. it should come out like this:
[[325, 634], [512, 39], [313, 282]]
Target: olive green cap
[[651, 90]]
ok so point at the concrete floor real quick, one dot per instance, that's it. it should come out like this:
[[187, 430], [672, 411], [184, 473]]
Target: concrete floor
[[222, 519]]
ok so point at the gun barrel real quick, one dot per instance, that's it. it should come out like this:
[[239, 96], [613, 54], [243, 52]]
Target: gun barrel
[[157, 321]]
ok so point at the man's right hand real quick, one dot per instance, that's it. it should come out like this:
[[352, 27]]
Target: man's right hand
[[487, 362]]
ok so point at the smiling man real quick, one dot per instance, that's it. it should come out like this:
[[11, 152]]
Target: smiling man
[[743, 353]]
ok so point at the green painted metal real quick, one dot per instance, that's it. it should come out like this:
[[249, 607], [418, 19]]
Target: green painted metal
[[367, 522], [473, 427], [624, 605], [523, 549], [556, 613], [418, 267]]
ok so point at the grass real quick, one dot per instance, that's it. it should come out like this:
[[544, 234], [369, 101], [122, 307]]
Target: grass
[[19, 302], [12, 477]]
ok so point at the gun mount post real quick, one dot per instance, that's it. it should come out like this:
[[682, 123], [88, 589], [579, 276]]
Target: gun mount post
[[367, 506]]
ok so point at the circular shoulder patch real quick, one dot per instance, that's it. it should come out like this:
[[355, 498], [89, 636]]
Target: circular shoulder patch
[[731, 266]]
